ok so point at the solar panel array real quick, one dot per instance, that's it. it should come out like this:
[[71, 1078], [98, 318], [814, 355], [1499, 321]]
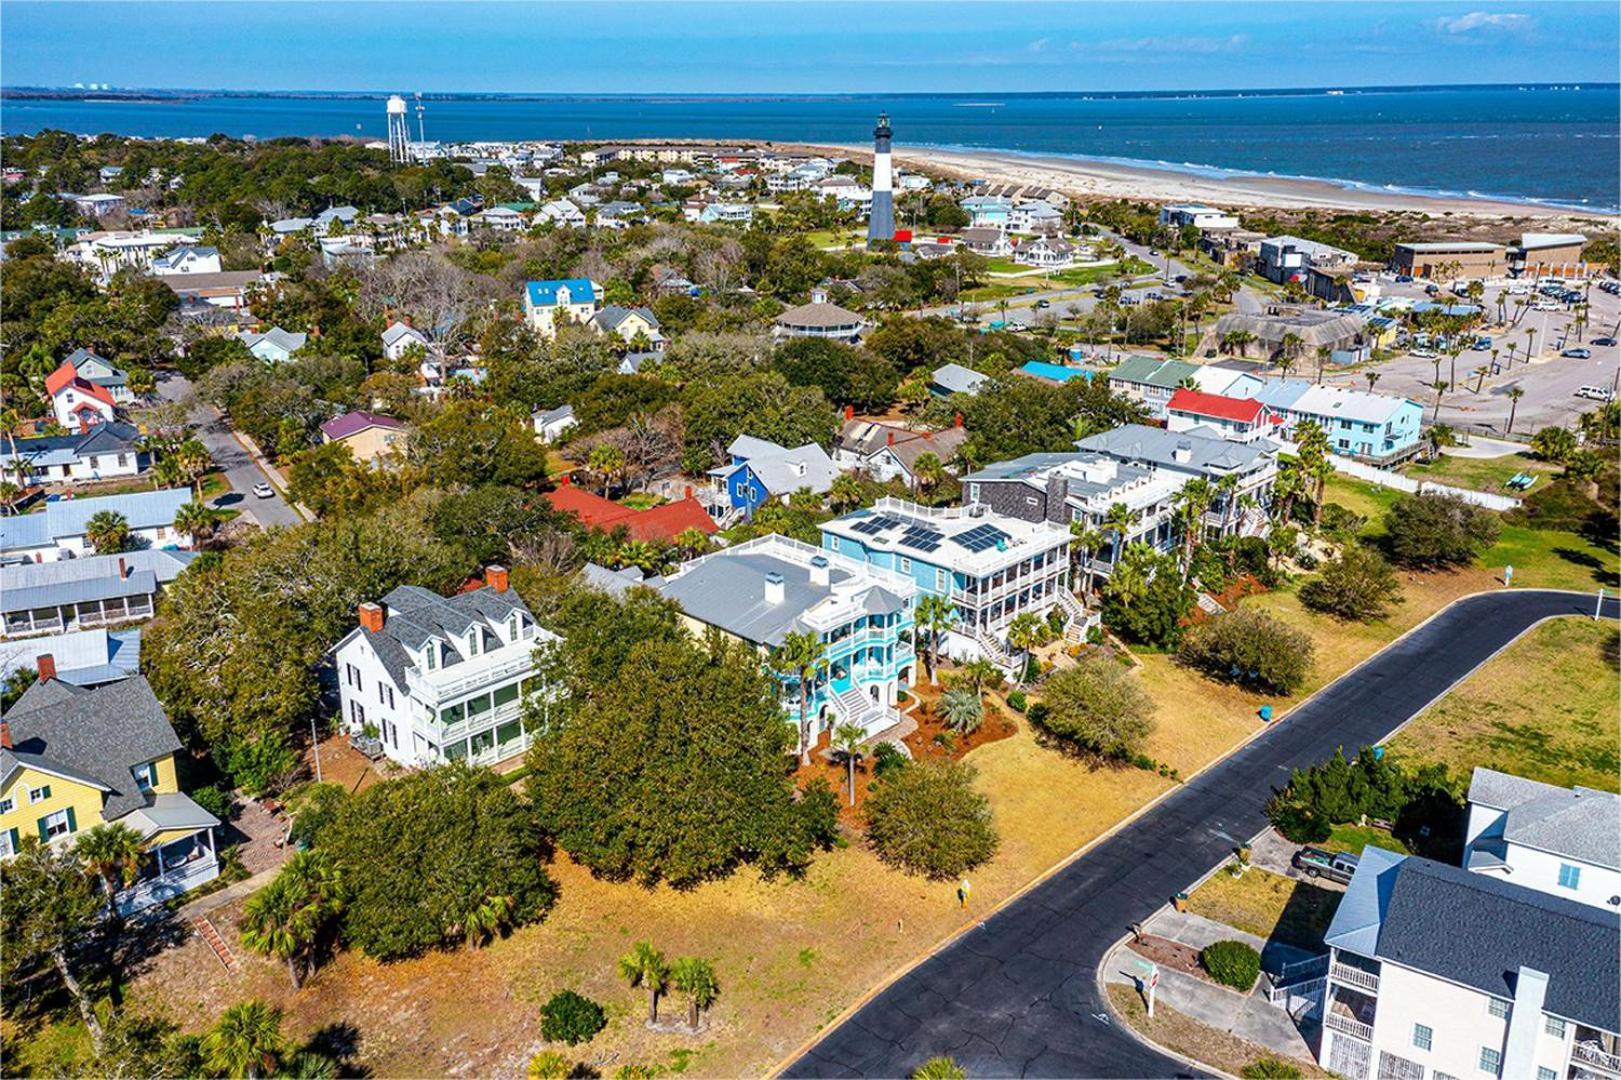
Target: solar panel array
[[875, 524], [923, 537], [981, 538]]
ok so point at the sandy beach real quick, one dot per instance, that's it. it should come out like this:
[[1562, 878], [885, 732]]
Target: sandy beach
[[1106, 180]]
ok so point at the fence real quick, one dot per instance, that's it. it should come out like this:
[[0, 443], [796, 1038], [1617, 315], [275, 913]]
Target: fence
[[1398, 482]]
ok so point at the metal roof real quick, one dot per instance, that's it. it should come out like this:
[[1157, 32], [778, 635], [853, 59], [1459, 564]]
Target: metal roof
[[94, 577], [67, 517]]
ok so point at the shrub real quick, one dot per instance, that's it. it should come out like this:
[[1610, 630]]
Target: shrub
[[213, 798], [317, 806], [1250, 648], [1017, 701], [929, 820], [1269, 1069], [939, 1068], [1251, 556], [1358, 585], [1342, 523], [1424, 806], [888, 758], [548, 1065], [1438, 530], [1231, 963], [1038, 712], [570, 1018], [1145, 599], [1097, 706]]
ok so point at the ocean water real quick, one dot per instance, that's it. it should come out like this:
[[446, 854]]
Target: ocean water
[[1556, 145]]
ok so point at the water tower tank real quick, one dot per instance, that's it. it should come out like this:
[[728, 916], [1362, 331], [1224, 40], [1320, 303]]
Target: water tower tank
[[396, 105]]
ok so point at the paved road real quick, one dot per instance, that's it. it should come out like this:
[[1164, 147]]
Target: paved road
[[239, 468], [1019, 995]]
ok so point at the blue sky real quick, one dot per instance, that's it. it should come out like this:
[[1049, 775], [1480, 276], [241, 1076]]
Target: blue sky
[[801, 46]]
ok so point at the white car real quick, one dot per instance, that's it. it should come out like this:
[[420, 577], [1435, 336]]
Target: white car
[[263, 490], [1424, 354], [1597, 393], [1519, 290]]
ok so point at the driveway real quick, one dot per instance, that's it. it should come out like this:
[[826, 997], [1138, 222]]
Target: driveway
[[240, 470], [1020, 994]]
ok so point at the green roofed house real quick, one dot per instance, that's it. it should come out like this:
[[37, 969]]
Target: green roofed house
[[1150, 380]]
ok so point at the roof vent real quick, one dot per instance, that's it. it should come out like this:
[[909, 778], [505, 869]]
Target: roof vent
[[775, 592], [821, 573]]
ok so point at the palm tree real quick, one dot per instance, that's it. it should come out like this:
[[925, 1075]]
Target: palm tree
[[1372, 377], [980, 673], [1324, 355], [1227, 491], [1515, 393], [695, 977], [1441, 386], [107, 531], [1118, 520], [286, 918], [1313, 454], [928, 472], [246, 1041], [691, 542], [166, 473], [196, 521], [641, 554], [644, 966], [1024, 633], [1288, 487], [1087, 541], [847, 740], [1192, 502], [9, 494], [801, 656], [963, 710], [845, 493], [1530, 342], [489, 917], [113, 854], [193, 460], [934, 615], [605, 460]]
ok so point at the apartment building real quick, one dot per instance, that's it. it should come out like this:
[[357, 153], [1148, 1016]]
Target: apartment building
[[1558, 840], [437, 678]]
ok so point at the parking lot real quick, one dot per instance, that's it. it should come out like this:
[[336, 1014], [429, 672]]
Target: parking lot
[[1479, 398]]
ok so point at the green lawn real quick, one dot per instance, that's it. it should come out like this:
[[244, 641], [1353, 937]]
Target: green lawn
[[1267, 905], [1354, 838], [1544, 708], [1482, 474]]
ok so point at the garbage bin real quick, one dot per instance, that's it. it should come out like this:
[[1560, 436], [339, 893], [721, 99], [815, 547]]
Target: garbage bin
[[1180, 901], [1266, 713]]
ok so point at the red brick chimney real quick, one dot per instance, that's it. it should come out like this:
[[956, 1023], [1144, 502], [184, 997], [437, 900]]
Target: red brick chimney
[[5, 736], [891, 439], [563, 481], [496, 578], [849, 412], [686, 492], [123, 571], [371, 617], [47, 667]]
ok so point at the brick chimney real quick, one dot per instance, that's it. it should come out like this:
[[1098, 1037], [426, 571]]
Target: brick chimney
[[5, 736], [496, 578], [956, 419], [47, 667], [123, 570], [371, 617], [686, 492], [849, 412], [890, 439]]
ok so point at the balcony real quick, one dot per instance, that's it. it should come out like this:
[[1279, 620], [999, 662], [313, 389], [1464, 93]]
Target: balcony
[[1591, 1054], [1346, 1025], [482, 722], [1354, 976], [469, 676]]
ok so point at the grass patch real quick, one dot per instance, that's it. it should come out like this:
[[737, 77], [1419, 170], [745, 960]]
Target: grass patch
[[1268, 905], [1354, 838], [1482, 474], [1544, 708], [1186, 1036]]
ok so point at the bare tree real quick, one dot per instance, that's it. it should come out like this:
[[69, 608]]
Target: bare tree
[[440, 298]]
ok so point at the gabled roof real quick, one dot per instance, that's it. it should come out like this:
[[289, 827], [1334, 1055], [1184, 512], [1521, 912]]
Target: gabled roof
[[93, 577], [783, 471], [1334, 402], [544, 293], [610, 317], [1479, 930], [543, 417], [353, 423], [1242, 410], [82, 657], [1138, 442], [113, 437], [285, 340], [958, 379], [141, 509], [869, 437], [1575, 822], [101, 733], [67, 375], [657, 523], [398, 331], [1153, 371]]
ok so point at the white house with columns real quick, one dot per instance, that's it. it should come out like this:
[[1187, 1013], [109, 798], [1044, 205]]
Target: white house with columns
[[437, 679]]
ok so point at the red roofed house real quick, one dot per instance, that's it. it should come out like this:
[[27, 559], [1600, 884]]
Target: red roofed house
[[1234, 419], [659, 524], [368, 435], [77, 402]]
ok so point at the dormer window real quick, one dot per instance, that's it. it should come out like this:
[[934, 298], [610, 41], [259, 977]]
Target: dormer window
[[472, 641], [512, 626], [430, 654], [146, 776]]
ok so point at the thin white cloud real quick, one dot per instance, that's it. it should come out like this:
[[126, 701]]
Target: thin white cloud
[[1483, 20], [1038, 45], [1164, 45]]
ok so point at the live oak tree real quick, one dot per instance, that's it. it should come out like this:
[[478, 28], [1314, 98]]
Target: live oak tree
[[1357, 585], [1096, 706], [1434, 530], [49, 909], [662, 757], [429, 855], [927, 819], [1251, 648]]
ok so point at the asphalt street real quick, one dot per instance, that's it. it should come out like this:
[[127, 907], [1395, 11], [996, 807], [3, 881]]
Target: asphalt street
[[238, 466], [1019, 994]]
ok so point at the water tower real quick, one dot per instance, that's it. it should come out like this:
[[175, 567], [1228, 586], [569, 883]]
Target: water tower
[[399, 131]]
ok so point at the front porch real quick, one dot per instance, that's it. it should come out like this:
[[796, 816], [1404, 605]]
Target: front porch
[[171, 869]]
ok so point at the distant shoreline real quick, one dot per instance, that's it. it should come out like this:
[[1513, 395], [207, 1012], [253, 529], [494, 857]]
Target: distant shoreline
[[1090, 177]]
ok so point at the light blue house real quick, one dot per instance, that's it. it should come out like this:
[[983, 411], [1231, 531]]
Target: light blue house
[[991, 567], [1375, 428], [760, 470], [988, 211], [765, 589]]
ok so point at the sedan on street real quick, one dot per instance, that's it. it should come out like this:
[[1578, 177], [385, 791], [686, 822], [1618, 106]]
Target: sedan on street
[[263, 490]]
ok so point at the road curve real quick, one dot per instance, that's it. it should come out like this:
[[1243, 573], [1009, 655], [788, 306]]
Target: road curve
[[1019, 995]]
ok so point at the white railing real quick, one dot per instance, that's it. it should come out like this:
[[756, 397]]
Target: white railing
[[1344, 1024], [482, 674], [1306, 990], [1587, 1053], [512, 710], [1355, 976]]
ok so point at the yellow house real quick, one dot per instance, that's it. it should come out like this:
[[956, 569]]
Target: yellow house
[[72, 758], [550, 304], [368, 435]]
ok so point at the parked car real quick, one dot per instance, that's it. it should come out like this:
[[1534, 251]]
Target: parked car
[[1404, 279], [1333, 865], [1596, 393], [1578, 354], [1481, 344], [1425, 354], [1044, 303], [1605, 341], [263, 490], [1519, 290]]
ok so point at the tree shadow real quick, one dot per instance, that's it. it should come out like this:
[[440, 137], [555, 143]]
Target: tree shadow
[[1602, 574], [340, 1041]]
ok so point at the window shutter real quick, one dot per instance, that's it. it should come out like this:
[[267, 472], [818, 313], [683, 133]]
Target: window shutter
[[47, 791], [73, 826], [15, 840], [44, 835]]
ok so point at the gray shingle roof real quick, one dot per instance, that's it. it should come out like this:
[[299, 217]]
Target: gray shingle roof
[[958, 379], [102, 733], [1579, 822], [1138, 442], [415, 614], [1479, 930]]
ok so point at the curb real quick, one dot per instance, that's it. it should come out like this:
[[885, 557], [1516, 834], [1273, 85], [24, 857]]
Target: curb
[[940, 946]]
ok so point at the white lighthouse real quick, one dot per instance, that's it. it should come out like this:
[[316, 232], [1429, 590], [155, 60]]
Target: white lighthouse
[[881, 222], [399, 131]]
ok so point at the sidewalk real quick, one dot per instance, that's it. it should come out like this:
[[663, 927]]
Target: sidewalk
[[1196, 931]]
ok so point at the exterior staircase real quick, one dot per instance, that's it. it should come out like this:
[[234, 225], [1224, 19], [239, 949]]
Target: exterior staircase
[[993, 648], [1210, 605], [205, 930], [1080, 620], [1298, 988], [854, 706]]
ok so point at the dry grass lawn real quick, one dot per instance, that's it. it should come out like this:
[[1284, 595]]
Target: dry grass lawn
[[1546, 708], [1268, 905], [1191, 1039]]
